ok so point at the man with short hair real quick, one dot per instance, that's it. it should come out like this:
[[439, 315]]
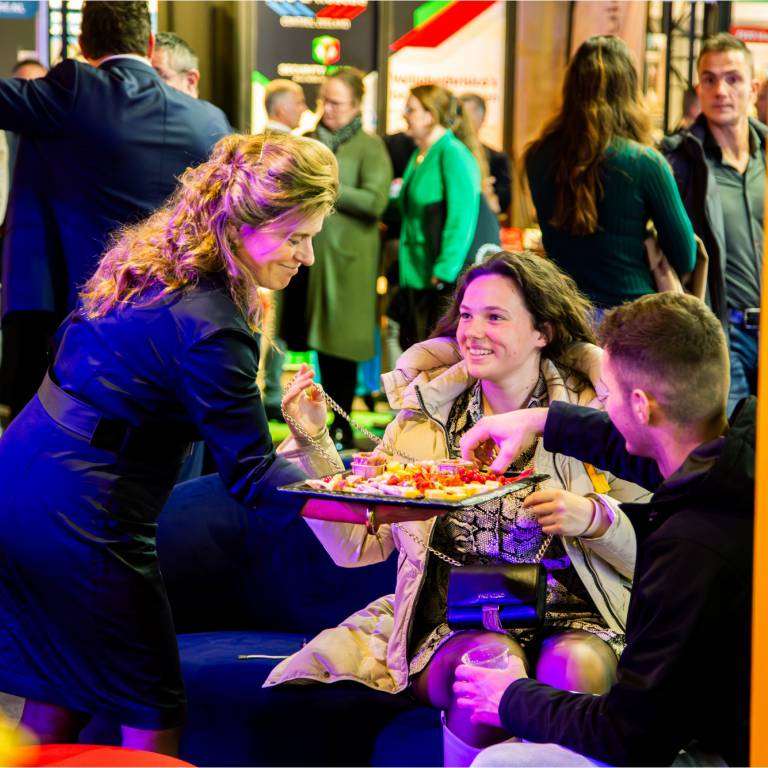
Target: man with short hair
[[102, 145], [285, 104], [719, 164], [498, 162], [176, 63], [683, 679]]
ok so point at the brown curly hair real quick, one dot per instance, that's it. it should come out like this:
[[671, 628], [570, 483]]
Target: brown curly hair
[[552, 298], [266, 181]]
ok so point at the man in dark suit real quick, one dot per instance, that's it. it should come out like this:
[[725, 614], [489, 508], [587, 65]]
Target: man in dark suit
[[102, 145], [498, 162]]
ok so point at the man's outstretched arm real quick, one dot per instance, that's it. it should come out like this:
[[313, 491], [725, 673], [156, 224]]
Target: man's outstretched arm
[[584, 433]]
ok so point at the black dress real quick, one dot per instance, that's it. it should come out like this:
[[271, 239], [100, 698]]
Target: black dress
[[85, 470]]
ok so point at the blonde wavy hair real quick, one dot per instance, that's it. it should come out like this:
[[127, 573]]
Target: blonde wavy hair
[[271, 181]]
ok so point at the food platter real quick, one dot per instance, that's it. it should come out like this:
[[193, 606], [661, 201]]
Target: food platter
[[447, 484]]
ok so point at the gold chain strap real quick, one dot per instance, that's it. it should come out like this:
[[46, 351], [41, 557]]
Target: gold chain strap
[[537, 557], [334, 406]]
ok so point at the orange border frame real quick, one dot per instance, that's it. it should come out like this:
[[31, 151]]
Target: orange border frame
[[759, 719]]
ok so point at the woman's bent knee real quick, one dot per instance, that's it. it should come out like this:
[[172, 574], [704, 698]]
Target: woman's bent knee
[[577, 661]]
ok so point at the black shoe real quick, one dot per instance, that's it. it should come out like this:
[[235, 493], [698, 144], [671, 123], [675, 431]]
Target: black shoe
[[274, 413]]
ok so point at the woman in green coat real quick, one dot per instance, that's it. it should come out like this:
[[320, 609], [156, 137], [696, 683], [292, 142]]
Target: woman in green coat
[[340, 309], [440, 203]]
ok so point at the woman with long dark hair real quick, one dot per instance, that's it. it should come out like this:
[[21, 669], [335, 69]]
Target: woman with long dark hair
[[596, 181]]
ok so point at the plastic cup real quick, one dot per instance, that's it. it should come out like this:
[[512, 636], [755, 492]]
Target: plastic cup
[[489, 656]]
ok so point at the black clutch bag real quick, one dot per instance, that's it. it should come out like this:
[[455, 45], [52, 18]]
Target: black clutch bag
[[497, 597]]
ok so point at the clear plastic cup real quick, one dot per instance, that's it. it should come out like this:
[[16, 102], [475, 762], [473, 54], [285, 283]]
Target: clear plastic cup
[[489, 656]]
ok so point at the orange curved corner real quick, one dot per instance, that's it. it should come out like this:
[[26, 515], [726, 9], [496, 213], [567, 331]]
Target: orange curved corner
[[759, 717]]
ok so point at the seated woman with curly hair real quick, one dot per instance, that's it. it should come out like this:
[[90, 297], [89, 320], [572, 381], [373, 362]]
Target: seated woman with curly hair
[[500, 347]]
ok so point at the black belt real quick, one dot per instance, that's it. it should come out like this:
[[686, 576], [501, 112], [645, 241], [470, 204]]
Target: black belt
[[155, 442], [748, 319]]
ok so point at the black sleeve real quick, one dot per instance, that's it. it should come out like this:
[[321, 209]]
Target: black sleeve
[[41, 106], [589, 435], [217, 384], [652, 710]]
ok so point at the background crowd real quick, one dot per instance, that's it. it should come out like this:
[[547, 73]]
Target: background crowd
[[140, 305]]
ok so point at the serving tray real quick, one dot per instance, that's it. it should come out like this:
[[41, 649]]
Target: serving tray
[[380, 498]]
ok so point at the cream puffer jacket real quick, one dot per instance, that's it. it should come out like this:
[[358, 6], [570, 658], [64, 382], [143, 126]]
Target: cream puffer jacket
[[370, 646]]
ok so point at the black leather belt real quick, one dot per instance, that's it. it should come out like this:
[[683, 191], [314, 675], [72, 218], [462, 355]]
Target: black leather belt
[[116, 435], [748, 319]]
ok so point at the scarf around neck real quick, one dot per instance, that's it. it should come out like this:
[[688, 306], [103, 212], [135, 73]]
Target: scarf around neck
[[334, 139]]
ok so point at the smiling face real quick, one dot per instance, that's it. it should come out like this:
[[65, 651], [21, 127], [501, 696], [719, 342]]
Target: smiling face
[[726, 88], [275, 257], [495, 333]]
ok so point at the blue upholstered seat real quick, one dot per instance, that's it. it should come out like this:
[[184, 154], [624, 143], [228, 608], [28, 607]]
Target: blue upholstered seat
[[258, 582]]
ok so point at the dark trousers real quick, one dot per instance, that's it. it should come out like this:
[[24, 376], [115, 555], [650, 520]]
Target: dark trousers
[[339, 381], [26, 355], [417, 311]]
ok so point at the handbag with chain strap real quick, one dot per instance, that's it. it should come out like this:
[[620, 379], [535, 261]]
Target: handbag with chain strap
[[497, 597]]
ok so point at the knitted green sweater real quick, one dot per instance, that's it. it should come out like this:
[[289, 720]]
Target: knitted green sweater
[[610, 265]]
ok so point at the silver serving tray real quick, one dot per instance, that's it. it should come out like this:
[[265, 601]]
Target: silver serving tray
[[303, 489]]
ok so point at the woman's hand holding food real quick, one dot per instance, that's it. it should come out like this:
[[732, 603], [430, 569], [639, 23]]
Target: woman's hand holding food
[[304, 404], [564, 513]]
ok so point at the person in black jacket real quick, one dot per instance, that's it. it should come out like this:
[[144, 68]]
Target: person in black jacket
[[160, 351], [683, 680]]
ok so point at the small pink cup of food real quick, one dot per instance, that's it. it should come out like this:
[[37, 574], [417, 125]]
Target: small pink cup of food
[[368, 464], [454, 465]]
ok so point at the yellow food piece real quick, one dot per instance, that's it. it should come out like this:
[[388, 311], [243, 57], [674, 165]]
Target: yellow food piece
[[403, 491], [450, 494]]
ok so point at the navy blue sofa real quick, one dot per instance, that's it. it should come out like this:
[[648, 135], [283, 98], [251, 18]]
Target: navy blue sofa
[[258, 582]]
